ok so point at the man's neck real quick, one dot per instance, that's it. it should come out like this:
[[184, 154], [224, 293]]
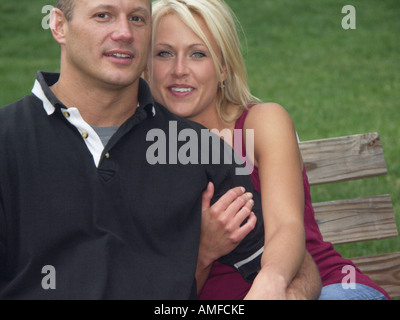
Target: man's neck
[[99, 105]]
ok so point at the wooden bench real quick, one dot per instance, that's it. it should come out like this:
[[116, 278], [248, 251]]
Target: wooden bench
[[353, 220]]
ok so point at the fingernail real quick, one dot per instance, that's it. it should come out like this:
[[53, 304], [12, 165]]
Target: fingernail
[[249, 194]]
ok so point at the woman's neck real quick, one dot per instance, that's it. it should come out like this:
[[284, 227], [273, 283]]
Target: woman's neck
[[212, 121]]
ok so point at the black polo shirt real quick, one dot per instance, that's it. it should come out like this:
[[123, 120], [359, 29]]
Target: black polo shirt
[[106, 223]]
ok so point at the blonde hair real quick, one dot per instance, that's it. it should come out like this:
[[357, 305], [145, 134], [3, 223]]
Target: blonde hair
[[222, 24]]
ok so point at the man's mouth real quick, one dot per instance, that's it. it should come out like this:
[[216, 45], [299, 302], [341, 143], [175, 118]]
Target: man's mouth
[[119, 55]]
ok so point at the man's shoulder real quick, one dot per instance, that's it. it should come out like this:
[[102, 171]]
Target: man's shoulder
[[18, 111], [17, 105]]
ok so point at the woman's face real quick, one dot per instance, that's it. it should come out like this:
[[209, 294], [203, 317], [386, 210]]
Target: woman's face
[[183, 76]]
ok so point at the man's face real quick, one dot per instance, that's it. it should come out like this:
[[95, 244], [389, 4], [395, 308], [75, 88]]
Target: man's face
[[107, 41]]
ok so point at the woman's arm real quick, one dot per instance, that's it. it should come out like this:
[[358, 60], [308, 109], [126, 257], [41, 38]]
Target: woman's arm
[[277, 156], [221, 227]]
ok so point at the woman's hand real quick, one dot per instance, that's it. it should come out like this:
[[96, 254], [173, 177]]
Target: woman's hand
[[223, 226]]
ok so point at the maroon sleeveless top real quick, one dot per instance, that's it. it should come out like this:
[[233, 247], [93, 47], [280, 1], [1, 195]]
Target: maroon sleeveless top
[[225, 283]]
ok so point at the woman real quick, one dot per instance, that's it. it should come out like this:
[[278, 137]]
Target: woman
[[197, 71]]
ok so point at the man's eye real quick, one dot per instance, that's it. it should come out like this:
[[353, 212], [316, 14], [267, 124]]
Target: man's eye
[[137, 19], [102, 15]]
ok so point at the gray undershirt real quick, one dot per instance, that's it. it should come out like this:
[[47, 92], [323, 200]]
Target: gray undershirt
[[105, 133]]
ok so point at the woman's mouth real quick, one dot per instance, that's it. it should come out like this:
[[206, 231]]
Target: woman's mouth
[[180, 91]]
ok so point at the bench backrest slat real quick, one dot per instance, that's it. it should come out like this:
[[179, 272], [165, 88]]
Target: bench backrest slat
[[353, 220], [343, 158]]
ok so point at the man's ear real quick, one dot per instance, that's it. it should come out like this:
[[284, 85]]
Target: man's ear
[[58, 25]]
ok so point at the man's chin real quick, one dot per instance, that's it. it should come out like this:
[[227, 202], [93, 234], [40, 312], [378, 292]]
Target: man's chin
[[120, 82]]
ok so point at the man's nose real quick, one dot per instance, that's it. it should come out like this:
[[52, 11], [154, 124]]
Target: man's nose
[[123, 31]]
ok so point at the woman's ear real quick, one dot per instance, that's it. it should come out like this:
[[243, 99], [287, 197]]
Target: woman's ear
[[146, 74], [224, 73], [58, 25]]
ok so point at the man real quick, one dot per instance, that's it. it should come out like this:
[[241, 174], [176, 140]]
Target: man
[[83, 214]]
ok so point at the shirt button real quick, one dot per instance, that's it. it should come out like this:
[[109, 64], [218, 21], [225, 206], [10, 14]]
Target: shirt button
[[107, 155], [66, 114], [85, 135]]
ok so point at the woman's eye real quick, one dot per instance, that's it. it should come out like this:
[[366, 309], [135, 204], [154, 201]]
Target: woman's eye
[[198, 55], [163, 54]]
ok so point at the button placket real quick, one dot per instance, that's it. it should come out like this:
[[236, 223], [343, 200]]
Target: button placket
[[87, 133]]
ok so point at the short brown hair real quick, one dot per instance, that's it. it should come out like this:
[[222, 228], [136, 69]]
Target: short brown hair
[[66, 6]]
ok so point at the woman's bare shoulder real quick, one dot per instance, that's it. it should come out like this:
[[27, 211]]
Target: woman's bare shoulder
[[269, 113]]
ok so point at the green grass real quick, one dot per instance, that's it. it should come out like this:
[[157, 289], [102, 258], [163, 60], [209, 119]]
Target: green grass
[[25, 47], [333, 82]]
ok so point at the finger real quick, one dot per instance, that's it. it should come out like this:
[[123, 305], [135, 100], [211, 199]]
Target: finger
[[244, 230], [226, 200], [235, 222], [238, 204], [243, 213], [207, 196]]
